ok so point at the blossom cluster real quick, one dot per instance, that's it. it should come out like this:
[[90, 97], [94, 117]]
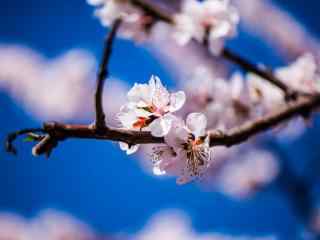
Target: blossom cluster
[[227, 103], [209, 22], [213, 103], [151, 107], [135, 22]]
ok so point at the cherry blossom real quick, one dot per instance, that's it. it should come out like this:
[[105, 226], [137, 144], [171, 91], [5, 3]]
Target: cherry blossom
[[225, 102], [211, 20], [187, 153], [150, 108], [265, 96], [302, 74], [135, 23], [110, 10]]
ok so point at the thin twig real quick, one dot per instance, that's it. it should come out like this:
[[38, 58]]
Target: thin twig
[[13, 136], [103, 74]]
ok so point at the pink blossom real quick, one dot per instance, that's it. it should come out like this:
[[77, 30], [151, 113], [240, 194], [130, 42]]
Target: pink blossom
[[187, 153], [214, 20]]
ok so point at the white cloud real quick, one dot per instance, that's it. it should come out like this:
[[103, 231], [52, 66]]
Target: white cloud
[[55, 89]]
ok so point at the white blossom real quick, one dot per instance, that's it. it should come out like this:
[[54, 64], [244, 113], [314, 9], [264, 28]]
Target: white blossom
[[226, 103], [302, 75], [135, 23], [150, 107], [187, 153], [264, 95], [211, 20]]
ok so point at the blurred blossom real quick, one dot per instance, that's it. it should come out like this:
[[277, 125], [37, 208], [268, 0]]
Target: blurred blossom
[[58, 89], [226, 103], [264, 95], [135, 22], [277, 27], [210, 21], [242, 172], [170, 55], [302, 75], [175, 225]]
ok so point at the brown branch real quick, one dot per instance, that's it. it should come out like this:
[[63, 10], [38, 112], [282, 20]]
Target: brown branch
[[103, 74], [58, 131]]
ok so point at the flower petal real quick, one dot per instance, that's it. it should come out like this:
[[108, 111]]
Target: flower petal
[[177, 100], [160, 95], [197, 123], [140, 94], [161, 126], [177, 135], [127, 116]]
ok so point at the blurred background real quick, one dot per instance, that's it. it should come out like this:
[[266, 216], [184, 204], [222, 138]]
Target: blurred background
[[43, 43]]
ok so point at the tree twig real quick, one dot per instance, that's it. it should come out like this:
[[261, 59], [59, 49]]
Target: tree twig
[[13, 136], [103, 73]]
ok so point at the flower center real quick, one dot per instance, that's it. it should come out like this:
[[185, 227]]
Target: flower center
[[197, 155], [208, 22], [143, 122]]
